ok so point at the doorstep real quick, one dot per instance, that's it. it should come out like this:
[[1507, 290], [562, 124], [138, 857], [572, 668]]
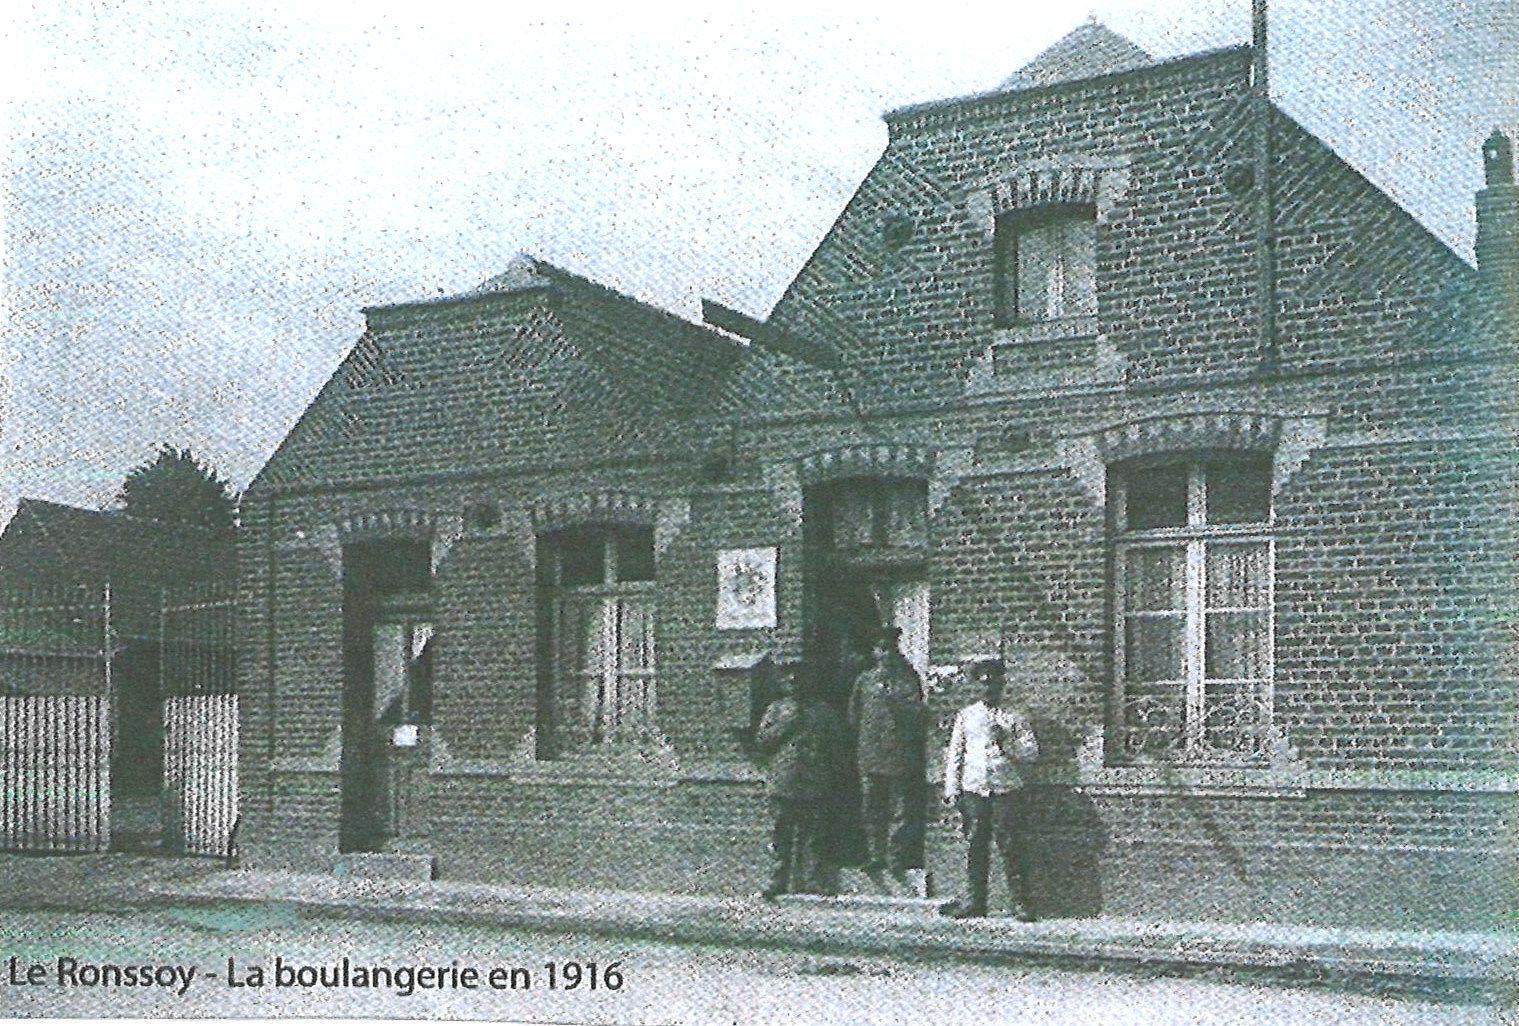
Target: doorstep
[[902, 902]]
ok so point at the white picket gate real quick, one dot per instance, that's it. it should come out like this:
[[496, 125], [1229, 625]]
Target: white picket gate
[[200, 773]]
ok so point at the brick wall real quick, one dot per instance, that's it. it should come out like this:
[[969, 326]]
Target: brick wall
[[1393, 402]]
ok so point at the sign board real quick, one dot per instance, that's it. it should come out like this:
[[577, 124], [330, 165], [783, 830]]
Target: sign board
[[746, 588]]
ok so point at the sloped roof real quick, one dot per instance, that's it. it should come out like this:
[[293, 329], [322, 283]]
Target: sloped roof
[[1090, 50], [522, 273], [535, 365], [49, 543]]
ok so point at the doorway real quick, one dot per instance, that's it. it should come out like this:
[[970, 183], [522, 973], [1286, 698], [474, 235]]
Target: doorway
[[848, 611], [866, 545], [387, 631]]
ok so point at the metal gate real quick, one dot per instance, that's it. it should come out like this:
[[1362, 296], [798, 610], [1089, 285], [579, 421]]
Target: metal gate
[[200, 718], [55, 720]]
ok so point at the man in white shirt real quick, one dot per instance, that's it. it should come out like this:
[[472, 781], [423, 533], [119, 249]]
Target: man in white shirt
[[990, 740]]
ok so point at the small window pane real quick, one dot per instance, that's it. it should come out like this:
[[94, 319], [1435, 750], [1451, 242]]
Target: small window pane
[[1156, 578], [1237, 575], [1239, 492], [1079, 295], [1005, 271], [1154, 649], [1154, 722], [1038, 270], [906, 513], [1235, 646], [1156, 498], [582, 558], [635, 554], [1235, 715], [854, 517]]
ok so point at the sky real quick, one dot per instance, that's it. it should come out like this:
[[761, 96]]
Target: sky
[[198, 198]]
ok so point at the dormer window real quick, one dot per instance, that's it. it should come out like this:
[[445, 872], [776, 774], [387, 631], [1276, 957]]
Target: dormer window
[[1046, 264]]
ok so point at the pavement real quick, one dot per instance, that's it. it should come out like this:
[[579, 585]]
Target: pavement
[[1440, 961]]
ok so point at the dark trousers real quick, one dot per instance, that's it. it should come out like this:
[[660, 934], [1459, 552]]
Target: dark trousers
[[793, 831], [1003, 817], [892, 821]]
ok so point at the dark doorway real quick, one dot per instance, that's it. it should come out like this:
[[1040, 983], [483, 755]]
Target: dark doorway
[[375, 575], [843, 623], [866, 544]]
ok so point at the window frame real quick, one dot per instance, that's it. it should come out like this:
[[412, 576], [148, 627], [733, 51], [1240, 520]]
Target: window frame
[[611, 598], [1009, 229], [1195, 539]]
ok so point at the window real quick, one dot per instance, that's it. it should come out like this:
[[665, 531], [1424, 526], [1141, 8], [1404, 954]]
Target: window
[[874, 512], [1193, 563], [1046, 264], [602, 582]]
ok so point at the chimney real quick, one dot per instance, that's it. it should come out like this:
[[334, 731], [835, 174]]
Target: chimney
[[1498, 217]]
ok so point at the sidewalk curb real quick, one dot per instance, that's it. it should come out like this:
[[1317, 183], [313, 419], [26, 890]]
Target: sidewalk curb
[[726, 922]]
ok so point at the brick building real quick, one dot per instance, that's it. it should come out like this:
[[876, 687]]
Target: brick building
[[1115, 369]]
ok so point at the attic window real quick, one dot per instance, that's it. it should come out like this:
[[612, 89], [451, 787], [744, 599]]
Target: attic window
[[1046, 264]]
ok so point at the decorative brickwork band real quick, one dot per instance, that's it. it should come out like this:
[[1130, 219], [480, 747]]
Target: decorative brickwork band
[[387, 524], [1044, 183], [597, 507], [441, 530], [885, 460], [1289, 441], [1185, 432]]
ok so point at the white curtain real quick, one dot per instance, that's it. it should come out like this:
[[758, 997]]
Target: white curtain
[[612, 655], [390, 659], [909, 611]]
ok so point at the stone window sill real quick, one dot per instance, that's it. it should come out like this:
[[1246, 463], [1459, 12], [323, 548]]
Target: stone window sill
[[1061, 329]]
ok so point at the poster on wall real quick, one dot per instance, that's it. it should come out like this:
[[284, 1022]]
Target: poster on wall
[[746, 588]]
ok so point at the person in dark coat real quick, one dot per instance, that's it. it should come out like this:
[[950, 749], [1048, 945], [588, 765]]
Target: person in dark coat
[[800, 735], [888, 711]]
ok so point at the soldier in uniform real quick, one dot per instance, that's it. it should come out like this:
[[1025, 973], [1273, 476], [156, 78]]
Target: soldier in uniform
[[888, 711], [800, 735], [990, 740]]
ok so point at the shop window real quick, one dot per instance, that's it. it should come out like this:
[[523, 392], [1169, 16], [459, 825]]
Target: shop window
[[1193, 565], [602, 586], [1046, 264]]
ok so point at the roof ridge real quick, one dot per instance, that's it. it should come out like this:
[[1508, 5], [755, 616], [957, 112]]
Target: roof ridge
[[526, 272], [1002, 92], [118, 514], [607, 292], [1087, 51]]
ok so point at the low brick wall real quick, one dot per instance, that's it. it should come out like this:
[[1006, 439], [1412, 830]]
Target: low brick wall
[[1145, 857]]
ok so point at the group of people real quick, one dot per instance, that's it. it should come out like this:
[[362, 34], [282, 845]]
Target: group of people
[[804, 739]]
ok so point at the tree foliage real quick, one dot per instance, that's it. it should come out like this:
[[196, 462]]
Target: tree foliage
[[177, 488]]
